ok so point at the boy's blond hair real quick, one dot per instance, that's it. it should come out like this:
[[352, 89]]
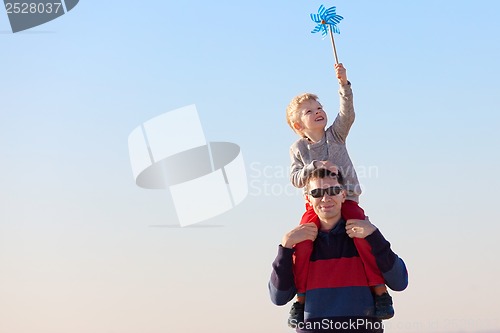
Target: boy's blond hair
[[292, 110]]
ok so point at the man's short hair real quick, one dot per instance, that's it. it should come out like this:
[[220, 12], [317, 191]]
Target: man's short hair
[[325, 173]]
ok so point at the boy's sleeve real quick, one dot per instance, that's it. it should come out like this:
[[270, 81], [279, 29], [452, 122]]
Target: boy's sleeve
[[298, 170], [391, 266], [345, 118], [281, 284]]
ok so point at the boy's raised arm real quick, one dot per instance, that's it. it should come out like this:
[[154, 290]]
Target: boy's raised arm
[[345, 118]]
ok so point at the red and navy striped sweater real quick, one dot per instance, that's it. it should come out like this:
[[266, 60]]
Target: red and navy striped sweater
[[338, 297]]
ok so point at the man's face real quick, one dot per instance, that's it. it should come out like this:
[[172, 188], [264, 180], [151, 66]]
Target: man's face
[[327, 207]]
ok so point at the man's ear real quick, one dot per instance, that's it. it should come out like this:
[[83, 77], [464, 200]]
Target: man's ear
[[344, 196], [306, 197], [297, 126]]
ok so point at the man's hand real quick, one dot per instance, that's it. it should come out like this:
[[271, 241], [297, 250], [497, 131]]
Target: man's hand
[[359, 228], [341, 74], [303, 232]]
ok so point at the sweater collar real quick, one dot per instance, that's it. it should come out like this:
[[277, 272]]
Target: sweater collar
[[311, 144], [337, 229]]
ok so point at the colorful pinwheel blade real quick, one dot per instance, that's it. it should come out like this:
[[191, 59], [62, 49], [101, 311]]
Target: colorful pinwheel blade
[[334, 19], [322, 10], [331, 11], [321, 27], [326, 17], [316, 18]]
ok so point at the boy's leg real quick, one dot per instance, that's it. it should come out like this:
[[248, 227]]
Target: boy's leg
[[352, 211], [302, 254], [301, 257], [382, 299], [383, 302]]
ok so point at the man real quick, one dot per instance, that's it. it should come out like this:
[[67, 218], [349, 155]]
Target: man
[[338, 297]]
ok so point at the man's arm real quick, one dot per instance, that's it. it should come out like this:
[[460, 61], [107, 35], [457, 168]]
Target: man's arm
[[282, 285], [392, 267]]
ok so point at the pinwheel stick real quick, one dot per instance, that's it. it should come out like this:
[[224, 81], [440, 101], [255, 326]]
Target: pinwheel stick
[[333, 45]]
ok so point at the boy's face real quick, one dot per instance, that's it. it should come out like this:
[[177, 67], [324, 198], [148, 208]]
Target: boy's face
[[311, 115]]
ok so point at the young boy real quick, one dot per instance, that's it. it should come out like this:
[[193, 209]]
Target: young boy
[[327, 148]]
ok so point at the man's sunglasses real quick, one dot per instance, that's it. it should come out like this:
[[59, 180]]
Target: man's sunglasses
[[320, 192]]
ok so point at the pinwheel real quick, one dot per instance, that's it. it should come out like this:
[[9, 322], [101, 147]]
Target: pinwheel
[[327, 20]]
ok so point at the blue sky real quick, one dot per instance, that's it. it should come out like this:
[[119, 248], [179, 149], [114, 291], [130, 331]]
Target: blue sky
[[83, 249]]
